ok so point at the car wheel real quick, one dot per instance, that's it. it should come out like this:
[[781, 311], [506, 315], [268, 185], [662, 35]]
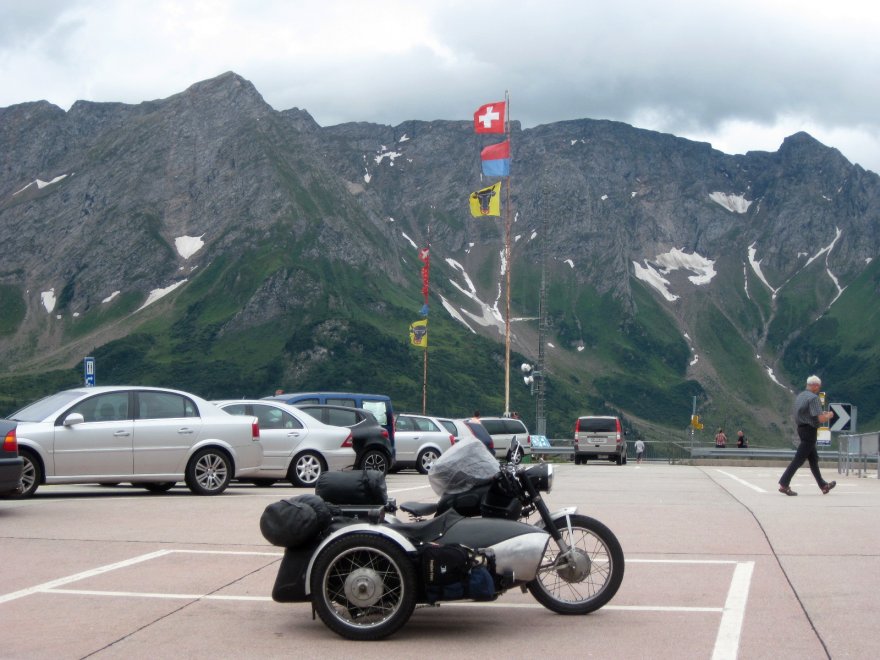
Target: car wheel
[[375, 460], [426, 459], [624, 459], [160, 486], [31, 475], [618, 459], [305, 469], [209, 472]]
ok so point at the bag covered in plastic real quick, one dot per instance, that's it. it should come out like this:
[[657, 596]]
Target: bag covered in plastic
[[463, 466]]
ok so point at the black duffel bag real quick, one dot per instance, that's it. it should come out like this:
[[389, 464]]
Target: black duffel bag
[[295, 522], [356, 487]]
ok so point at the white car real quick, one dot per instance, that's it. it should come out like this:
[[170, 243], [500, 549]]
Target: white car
[[419, 441], [296, 446], [148, 436]]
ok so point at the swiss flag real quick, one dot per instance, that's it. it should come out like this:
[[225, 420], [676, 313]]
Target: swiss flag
[[489, 118]]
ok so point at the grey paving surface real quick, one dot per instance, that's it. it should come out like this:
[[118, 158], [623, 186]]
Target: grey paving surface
[[719, 565]]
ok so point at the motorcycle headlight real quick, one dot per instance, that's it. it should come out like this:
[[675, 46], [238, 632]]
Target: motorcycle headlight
[[541, 476]]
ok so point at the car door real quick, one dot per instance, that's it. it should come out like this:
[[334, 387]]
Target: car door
[[166, 426], [101, 444], [280, 434], [406, 438]]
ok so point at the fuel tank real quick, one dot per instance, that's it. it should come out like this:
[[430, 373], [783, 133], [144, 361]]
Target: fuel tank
[[518, 547]]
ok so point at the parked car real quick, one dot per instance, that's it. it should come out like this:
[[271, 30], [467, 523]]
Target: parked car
[[148, 436], [503, 430], [465, 429], [296, 446], [11, 464], [373, 449], [597, 437], [378, 404], [420, 440]]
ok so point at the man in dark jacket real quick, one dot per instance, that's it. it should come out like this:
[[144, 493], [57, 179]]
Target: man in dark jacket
[[808, 416]]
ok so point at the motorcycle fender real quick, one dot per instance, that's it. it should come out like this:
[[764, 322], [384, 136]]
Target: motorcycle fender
[[562, 513], [360, 528], [521, 555]]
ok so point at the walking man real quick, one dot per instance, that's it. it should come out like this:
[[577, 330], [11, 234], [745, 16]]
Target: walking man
[[808, 416]]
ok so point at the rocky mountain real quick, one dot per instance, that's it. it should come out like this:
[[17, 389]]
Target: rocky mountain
[[209, 242]]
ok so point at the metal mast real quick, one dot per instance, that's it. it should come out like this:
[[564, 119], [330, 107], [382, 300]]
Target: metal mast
[[540, 416]]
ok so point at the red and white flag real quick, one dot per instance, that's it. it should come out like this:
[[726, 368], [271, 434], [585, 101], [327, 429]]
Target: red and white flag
[[489, 118]]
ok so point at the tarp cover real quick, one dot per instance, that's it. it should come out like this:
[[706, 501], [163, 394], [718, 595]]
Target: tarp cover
[[461, 467]]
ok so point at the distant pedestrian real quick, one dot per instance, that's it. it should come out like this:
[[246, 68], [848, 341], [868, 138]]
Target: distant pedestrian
[[640, 450], [720, 439], [742, 442], [808, 416], [476, 417]]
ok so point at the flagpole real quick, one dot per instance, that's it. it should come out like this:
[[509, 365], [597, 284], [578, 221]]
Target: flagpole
[[425, 360], [507, 273]]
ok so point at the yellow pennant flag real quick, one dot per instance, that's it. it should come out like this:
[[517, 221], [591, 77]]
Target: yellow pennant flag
[[486, 201], [418, 333]]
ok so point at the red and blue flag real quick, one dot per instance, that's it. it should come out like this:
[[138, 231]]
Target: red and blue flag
[[496, 159]]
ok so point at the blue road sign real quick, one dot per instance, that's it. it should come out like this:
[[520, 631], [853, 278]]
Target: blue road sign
[[89, 371]]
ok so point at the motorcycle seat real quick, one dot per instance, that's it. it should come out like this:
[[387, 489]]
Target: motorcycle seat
[[428, 530], [419, 509]]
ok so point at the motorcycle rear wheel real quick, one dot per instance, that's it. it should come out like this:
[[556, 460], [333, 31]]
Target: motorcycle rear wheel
[[363, 587], [596, 576]]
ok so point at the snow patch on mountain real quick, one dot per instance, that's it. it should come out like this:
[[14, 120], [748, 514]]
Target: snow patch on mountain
[[654, 270], [756, 267], [157, 294], [187, 246], [733, 203], [48, 300], [39, 183]]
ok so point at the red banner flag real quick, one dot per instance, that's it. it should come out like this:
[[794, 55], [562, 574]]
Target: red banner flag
[[489, 118]]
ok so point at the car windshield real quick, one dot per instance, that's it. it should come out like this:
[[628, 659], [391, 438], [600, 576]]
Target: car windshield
[[40, 410]]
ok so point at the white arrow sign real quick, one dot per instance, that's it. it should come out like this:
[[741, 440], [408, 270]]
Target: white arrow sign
[[842, 411]]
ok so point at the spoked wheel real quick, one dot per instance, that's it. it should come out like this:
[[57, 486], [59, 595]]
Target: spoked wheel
[[363, 587], [588, 576]]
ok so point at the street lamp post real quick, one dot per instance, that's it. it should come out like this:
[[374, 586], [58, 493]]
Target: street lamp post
[[534, 379]]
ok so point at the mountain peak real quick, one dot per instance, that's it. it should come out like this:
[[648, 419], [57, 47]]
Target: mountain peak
[[227, 87]]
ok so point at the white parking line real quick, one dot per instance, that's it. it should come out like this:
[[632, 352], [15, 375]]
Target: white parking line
[[727, 641], [742, 481], [47, 586], [144, 594], [403, 490]]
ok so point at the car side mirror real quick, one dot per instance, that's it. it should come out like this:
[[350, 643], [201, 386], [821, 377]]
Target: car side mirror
[[73, 419]]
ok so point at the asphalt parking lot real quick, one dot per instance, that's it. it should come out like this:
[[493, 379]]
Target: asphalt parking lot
[[719, 565]]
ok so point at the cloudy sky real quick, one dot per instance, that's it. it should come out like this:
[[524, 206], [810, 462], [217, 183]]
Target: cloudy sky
[[741, 75]]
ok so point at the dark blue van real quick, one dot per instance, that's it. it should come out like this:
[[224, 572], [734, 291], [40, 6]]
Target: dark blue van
[[378, 404]]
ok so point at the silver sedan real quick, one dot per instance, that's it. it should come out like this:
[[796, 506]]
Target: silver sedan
[[145, 435], [296, 446]]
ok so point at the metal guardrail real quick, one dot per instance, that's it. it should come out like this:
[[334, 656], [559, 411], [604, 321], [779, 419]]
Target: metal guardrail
[[853, 453], [771, 453]]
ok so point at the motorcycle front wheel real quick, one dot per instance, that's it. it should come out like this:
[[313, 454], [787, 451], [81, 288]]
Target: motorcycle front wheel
[[589, 577], [363, 587]]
